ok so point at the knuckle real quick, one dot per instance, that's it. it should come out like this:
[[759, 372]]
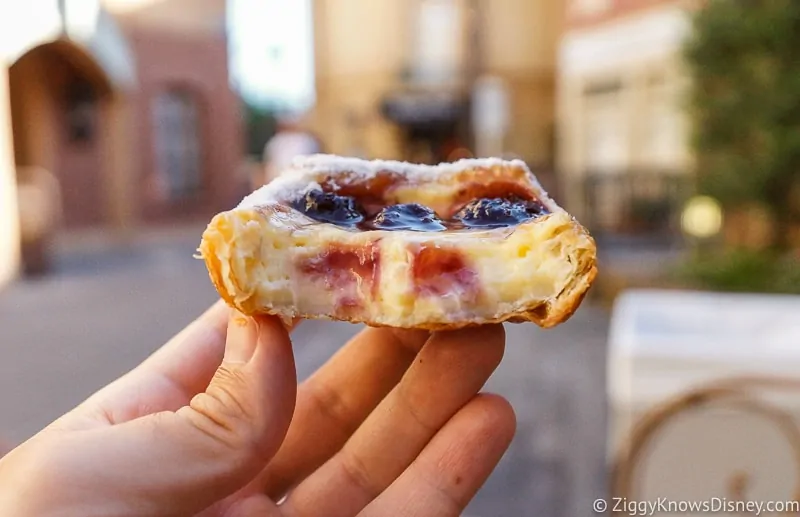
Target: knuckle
[[230, 379], [360, 475], [447, 501], [332, 404], [413, 405], [230, 415]]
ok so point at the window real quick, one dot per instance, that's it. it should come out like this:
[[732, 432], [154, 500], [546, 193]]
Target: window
[[606, 144], [440, 40], [177, 143], [663, 130], [80, 111]]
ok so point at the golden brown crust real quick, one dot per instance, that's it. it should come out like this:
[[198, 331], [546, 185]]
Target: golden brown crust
[[547, 313]]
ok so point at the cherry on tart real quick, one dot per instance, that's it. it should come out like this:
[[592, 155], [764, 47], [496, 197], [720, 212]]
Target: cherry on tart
[[395, 244]]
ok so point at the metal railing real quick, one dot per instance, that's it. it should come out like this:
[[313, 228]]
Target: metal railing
[[641, 203]]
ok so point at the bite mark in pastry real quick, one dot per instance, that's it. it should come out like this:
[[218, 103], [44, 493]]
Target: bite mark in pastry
[[395, 244]]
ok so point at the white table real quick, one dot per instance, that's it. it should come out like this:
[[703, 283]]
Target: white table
[[665, 343]]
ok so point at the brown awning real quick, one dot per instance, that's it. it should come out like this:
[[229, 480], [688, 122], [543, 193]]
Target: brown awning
[[423, 108]]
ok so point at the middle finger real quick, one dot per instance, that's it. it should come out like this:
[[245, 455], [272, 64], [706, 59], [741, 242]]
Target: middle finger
[[336, 399], [449, 370]]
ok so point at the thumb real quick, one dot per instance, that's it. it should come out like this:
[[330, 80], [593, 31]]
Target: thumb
[[182, 462]]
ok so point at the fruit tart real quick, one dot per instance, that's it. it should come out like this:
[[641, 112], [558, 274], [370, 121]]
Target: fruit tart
[[389, 243]]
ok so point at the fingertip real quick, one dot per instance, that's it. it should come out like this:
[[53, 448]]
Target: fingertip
[[274, 348], [273, 368], [272, 329], [454, 464], [491, 331], [246, 334], [486, 340], [219, 311], [250, 400], [496, 414], [412, 339], [242, 338]]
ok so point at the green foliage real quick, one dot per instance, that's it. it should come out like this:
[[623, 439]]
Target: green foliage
[[260, 125], [744, 59], [743, 271]]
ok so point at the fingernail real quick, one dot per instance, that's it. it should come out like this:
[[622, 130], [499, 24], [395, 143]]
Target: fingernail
[[242, 338]]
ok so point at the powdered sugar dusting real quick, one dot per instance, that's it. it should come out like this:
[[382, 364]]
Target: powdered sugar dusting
[[361, 169], [287, 186], [306, 171]]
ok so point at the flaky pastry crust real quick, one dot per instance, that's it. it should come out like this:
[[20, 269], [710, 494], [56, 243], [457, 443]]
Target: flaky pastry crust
[[265, 257]]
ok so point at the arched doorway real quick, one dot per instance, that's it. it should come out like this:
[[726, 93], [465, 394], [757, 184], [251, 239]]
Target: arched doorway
[[66, 71], [59, 98]]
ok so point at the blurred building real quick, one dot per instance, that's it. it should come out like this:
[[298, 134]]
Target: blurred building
[[623, 135], [396, 78], [124, 104]]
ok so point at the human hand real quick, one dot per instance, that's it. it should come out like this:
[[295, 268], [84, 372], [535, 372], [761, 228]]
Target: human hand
[[214, 424]]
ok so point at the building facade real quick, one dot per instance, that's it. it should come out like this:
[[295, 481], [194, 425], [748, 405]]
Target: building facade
[[621, 119], [396, 78], [189, 136], [117, 113]]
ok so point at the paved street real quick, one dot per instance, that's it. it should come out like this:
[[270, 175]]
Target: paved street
[[104, 311]]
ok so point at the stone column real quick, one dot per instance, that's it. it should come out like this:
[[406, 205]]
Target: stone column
[[9, 214], [571, 150], [491, 115], [120, 164]]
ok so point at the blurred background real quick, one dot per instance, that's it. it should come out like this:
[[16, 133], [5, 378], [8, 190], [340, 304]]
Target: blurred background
[[670, 128]]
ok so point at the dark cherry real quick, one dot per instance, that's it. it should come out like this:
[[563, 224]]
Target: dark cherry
[[408, 216], [328, 207], [498, 212]]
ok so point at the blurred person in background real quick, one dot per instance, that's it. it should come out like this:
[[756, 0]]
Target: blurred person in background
[[290, 140]]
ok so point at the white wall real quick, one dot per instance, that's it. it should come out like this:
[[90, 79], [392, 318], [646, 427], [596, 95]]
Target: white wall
[[439, 41], [9, 215], [627, 42], [362, 38], [639, 123], [26, 25]]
